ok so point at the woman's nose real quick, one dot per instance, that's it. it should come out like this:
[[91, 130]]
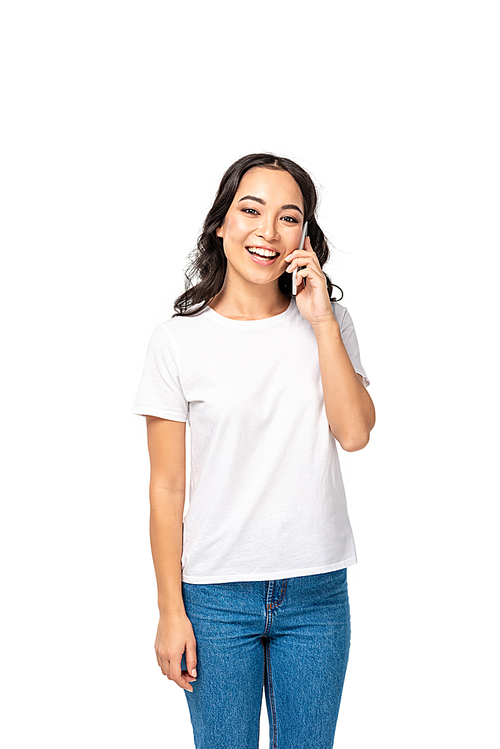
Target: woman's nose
[[268, 229]]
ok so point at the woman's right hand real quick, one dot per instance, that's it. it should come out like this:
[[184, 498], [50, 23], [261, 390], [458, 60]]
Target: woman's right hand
[[174, 636]]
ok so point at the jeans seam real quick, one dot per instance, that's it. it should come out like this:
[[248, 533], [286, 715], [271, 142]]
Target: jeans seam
[[281, 596], [271, 695]]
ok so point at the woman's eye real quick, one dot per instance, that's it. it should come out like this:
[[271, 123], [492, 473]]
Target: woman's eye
[[253, 212]]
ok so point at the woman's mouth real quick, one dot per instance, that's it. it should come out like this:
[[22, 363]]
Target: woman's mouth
[[264, 258]]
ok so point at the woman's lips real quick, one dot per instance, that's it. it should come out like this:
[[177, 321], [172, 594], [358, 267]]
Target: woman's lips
[[260, 260]]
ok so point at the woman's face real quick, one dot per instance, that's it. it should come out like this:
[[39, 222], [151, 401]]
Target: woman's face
[[267, 214]]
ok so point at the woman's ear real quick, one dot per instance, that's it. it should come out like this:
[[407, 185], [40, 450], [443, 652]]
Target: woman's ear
[[218, 231]]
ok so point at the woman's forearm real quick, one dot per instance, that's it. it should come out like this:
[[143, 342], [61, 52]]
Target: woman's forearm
[[349, 408], [165, 527]]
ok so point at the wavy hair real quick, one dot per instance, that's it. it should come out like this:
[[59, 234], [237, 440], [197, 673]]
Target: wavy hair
[[208, 262]]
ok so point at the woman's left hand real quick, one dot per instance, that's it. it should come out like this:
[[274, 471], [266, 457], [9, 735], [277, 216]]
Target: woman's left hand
[[312, 298]]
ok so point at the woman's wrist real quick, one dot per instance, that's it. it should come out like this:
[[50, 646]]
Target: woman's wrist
[[172, 611]]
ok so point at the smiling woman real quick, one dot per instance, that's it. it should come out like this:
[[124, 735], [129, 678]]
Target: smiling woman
[[249, 185], [269, 383], [264, 223]]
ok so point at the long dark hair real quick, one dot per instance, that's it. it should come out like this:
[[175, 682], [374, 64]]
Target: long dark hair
[[208, 261]]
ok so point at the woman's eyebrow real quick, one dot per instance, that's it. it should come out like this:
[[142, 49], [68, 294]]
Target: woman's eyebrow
[[286, 207]]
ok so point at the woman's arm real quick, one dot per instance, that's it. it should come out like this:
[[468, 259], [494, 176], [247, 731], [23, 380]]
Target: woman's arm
[[167, 490], [349, 408], [167, 487]]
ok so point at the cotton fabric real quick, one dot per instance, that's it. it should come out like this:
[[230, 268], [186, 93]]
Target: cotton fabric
[[266, 496]]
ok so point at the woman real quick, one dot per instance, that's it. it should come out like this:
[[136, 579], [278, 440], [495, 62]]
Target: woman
[[252, 586]]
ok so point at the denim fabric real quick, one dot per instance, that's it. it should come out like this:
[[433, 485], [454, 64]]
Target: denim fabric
[[289, 637]]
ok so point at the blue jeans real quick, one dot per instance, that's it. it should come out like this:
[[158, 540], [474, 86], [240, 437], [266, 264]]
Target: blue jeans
[[290, 637]]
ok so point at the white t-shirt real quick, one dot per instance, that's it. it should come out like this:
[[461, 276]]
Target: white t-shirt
[[266, 496]]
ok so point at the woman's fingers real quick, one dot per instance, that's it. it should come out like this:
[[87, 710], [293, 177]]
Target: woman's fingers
[[301, 260], [191, 656], [177, 675], [174, 637]]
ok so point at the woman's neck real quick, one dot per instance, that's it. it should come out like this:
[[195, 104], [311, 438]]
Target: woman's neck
[[250, 308]]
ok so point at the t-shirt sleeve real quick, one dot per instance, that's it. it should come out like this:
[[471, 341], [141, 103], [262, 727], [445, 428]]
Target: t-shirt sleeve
[[351, 344], [160, 391]]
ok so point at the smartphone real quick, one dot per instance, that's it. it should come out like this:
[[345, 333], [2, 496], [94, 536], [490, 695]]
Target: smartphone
[[294, 272]]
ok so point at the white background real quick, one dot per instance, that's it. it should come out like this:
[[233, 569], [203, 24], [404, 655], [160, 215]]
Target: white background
[[119, 119]]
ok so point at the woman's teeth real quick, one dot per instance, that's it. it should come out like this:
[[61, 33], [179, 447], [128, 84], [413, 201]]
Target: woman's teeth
[[259, 251]]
